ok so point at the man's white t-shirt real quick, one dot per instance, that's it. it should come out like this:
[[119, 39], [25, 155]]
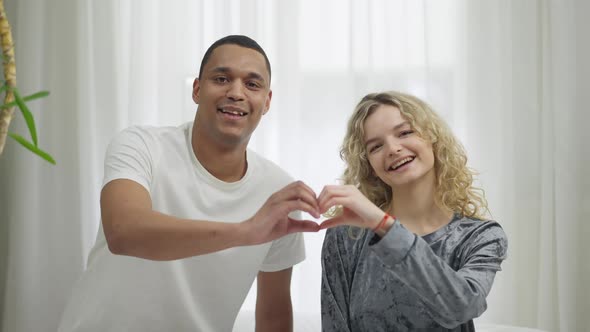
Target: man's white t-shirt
[[201, 293]]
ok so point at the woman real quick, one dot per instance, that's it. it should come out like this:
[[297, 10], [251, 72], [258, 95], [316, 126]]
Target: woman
[[424, 257]]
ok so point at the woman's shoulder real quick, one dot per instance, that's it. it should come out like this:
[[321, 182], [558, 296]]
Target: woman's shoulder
[[476, 226], [479, 233]]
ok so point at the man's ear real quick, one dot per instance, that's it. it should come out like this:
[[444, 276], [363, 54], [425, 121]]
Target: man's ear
[[267, 103], [196, 88]]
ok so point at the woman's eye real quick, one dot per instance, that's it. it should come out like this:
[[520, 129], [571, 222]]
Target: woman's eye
[[406, 132], [374, 148]]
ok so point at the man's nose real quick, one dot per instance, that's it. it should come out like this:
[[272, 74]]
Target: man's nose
[[235, 90]]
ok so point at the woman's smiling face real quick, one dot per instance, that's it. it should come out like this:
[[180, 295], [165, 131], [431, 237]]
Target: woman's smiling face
[[396, 153]]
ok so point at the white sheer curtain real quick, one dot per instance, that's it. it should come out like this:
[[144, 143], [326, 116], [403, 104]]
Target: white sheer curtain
[[510, 77]]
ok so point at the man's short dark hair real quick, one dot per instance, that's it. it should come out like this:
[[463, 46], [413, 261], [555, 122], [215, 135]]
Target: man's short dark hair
[[240, 40]]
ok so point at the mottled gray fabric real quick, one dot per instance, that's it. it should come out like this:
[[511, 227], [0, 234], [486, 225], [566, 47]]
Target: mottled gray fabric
[[404, 282]]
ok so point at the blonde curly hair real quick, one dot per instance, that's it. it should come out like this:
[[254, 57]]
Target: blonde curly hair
[[454, 180]]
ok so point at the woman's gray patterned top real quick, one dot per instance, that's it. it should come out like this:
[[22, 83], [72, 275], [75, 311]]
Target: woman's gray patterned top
[[404, 282]]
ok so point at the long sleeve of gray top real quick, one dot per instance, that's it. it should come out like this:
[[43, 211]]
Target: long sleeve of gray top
[[404, 282]]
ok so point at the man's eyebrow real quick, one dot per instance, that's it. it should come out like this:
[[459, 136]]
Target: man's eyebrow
[[225, 70], [396, 127], [255, 76]]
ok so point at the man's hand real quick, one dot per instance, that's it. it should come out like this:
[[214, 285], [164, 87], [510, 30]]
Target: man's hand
[[272, 219]]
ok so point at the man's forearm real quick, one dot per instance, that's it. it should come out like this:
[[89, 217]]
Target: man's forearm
[[156, 236], [282, 321]]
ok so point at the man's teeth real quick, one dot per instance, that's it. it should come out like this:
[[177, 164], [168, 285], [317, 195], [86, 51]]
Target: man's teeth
[[233, 112], [401, 162]]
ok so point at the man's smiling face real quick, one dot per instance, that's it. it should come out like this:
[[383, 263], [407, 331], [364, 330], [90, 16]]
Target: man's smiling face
[[233, 94]]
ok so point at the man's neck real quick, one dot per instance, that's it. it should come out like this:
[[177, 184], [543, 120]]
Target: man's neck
[[226, 163], [415, 207]]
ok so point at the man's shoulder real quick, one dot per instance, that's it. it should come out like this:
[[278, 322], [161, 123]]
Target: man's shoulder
[[155, 131], [150, 135]]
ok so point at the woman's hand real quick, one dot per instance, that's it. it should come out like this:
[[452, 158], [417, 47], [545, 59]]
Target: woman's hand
[[358, 210]]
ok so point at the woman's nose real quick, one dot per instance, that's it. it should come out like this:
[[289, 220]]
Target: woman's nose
[[394, 148]]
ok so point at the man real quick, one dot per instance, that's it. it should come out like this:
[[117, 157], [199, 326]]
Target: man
[[190, 216]]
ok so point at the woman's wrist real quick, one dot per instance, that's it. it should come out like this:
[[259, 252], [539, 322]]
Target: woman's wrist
[[384, 225]]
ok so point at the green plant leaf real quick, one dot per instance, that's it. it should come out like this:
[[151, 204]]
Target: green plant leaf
[[27, 115], [32, 148], [37, 95]]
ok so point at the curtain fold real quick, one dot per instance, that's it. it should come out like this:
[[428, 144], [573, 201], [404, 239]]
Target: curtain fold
[[509, 77]]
